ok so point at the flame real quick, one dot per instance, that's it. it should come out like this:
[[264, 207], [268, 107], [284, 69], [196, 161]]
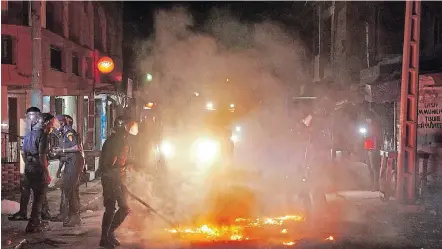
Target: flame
[[291, 243], [235, 231], [330, 238]]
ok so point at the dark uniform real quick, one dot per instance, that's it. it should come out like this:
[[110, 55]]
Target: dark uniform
[[59, 137], [25, 188], [73, 161], [115, 157], [35, 153]]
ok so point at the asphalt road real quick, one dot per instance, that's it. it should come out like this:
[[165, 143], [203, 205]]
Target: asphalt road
[[355, 221]]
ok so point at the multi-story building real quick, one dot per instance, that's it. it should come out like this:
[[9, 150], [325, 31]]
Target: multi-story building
[[359, 46], [74, 36]]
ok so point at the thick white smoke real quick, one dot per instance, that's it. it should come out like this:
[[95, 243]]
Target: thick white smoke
[[257, 66]]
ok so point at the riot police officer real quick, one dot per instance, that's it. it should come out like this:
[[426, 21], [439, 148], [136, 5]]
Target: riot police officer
[[35, 153], [73, 166], [64, 209], [32, 116], [114, 160]]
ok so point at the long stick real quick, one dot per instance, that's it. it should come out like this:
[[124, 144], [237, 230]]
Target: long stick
[[172, 224]]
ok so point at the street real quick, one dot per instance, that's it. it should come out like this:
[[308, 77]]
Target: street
[[360, 221]]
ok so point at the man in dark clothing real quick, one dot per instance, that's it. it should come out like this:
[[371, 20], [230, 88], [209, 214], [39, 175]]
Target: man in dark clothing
[[35, 154], [114, 160], [32, 117], [73, 161], [64, 206]]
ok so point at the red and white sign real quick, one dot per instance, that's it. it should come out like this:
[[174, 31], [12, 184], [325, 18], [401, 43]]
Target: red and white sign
[[430, 110]]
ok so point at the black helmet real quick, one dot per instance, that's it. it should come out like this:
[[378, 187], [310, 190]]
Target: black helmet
[[69, 120], [32, 114], [42, 119], [120, 123], [46, 118]]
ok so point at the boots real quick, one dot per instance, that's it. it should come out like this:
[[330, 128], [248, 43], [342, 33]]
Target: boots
[[105, 227], [45, 216], [36, 226], [59, 218], [119, 217], [72, 221], [18, 216]]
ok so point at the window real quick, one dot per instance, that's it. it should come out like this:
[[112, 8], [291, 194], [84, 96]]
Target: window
[[98, 32], [75, 65], [73, 22], [17, 12], [56, 58], [88, 68], [7, 44], [53, 23], [50, 22]]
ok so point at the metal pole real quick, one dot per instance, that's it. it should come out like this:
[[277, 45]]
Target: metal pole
[[36, 85]]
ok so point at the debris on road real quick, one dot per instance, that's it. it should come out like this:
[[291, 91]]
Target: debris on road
[[21, 244]]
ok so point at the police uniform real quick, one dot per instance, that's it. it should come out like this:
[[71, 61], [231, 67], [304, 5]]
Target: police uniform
[[35, 145], [64, 208], [73, 165], [115, 156], [25, 190]]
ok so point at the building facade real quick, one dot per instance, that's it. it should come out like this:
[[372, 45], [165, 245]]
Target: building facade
[[75, 35]]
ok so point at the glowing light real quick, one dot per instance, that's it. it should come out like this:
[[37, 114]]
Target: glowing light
[[105, 65], [238, 128], [234, 138], [206, 150], [167, 149], [363, 130], [209, 106], [149, 77], [232, 106], [291, 243], [330, 238], [196, 94], [284, 231], [148, 106]]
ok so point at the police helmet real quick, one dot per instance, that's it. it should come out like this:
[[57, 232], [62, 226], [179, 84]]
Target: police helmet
[[120, 123], [69, 120], [32, 114], [46, 119]]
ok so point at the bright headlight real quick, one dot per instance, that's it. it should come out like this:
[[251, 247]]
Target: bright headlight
[[206, 150], [167, 149]]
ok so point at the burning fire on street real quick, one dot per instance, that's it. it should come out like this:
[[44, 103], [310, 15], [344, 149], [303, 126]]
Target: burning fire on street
[[285, 230]]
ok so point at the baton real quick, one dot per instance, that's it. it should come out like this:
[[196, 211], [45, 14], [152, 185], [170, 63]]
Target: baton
[[169, 222]]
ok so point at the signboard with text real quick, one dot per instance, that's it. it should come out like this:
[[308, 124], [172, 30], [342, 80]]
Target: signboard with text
[[430, 111]]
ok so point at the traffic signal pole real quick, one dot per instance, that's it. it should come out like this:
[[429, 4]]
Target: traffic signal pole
[[406, 168]]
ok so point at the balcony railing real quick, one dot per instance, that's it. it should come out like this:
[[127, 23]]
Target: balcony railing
[[11, 146]]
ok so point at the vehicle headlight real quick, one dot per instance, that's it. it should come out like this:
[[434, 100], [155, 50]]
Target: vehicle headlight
[[207, 150], [167, 149]]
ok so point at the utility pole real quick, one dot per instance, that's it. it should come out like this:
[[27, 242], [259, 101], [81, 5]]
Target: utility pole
[[36, 85], [406, 168]]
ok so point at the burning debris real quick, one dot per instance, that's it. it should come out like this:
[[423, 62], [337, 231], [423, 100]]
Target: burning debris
[[285, 230]]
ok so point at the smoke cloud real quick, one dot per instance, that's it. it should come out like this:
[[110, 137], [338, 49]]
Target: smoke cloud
[[257, 66]]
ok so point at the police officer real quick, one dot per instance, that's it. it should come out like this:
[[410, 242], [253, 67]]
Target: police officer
[[114, 160], [35, 153], [64, 209], [73, 166], [32, 116]]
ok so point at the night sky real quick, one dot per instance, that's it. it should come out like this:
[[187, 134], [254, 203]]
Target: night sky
[[140, 14], [138, 17]]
